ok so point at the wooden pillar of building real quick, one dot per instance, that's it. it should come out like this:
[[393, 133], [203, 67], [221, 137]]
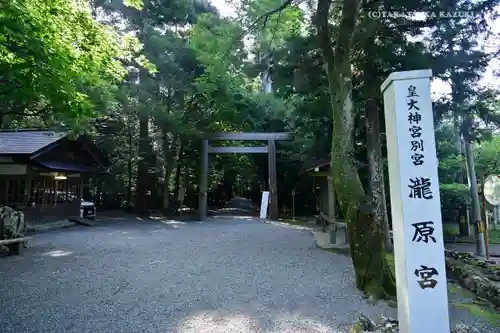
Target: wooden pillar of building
[[44, 195], [273, 187], [66, 189], [203, 188], [28, 188], [331, 199], [80, 191], [56, 186]]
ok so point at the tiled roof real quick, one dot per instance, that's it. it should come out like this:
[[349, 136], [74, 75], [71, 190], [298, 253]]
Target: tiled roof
[[26, 141]]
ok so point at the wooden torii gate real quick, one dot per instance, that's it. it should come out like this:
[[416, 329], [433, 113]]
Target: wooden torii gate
[[270, 149]]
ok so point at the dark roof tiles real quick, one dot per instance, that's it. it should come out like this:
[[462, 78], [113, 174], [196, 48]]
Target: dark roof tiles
[[26, 142]]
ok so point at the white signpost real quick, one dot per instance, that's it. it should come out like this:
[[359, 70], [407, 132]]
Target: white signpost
[[264, 204], [415, 203]]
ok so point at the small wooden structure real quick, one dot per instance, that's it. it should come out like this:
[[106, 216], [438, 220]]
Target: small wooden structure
[[270, 150], [320, 169], [45, 174]]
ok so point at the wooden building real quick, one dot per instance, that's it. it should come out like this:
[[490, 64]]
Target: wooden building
[[327, 203], [45, 173]]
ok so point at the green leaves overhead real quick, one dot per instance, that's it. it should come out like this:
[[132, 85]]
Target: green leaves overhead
[[272, 30], [137, 4], [191, 71], [155, 13], [228, 94], [53, 56]]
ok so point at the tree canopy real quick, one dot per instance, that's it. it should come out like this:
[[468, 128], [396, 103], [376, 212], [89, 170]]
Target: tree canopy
[[148, 79]]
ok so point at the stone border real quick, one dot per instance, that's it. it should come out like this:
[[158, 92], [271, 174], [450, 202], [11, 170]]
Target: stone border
[[475, 275], [390, 325]]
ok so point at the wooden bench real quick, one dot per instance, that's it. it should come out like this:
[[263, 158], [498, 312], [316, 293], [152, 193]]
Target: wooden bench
[[15, 245]]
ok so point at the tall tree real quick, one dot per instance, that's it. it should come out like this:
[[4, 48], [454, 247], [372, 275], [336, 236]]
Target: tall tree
[[459, 61], [365, 234], [161, 95]]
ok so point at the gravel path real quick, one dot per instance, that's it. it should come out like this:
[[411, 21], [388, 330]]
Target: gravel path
[[224, 275]]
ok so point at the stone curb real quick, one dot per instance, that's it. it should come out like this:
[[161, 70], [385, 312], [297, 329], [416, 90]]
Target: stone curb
[[50, 226]]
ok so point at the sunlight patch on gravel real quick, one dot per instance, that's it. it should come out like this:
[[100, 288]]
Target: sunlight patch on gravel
[[210, 322]]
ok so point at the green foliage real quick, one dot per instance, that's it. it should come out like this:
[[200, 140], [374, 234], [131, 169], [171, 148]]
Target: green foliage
[[189, 73], [451, 165], [274, 30], [149, 78], [458, 59], [210, 39], [137, 4], [487, 157], [453, 198], [55, 58], [450, 232], [457, 190], [227, 93]]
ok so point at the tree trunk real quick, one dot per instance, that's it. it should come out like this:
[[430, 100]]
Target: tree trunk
[[373, 275], [456, 102], [178, 169], [129, 167], [458, 143], [169, 147], [376, 169], [153, 188], [374, 144], [475, 203], [166, 188], [464, 228], [141, 205]]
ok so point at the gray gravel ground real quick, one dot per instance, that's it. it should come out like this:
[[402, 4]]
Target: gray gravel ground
[[224, 275]]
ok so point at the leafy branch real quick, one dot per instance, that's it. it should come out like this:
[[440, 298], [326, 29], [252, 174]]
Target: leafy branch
[[264, 18]]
